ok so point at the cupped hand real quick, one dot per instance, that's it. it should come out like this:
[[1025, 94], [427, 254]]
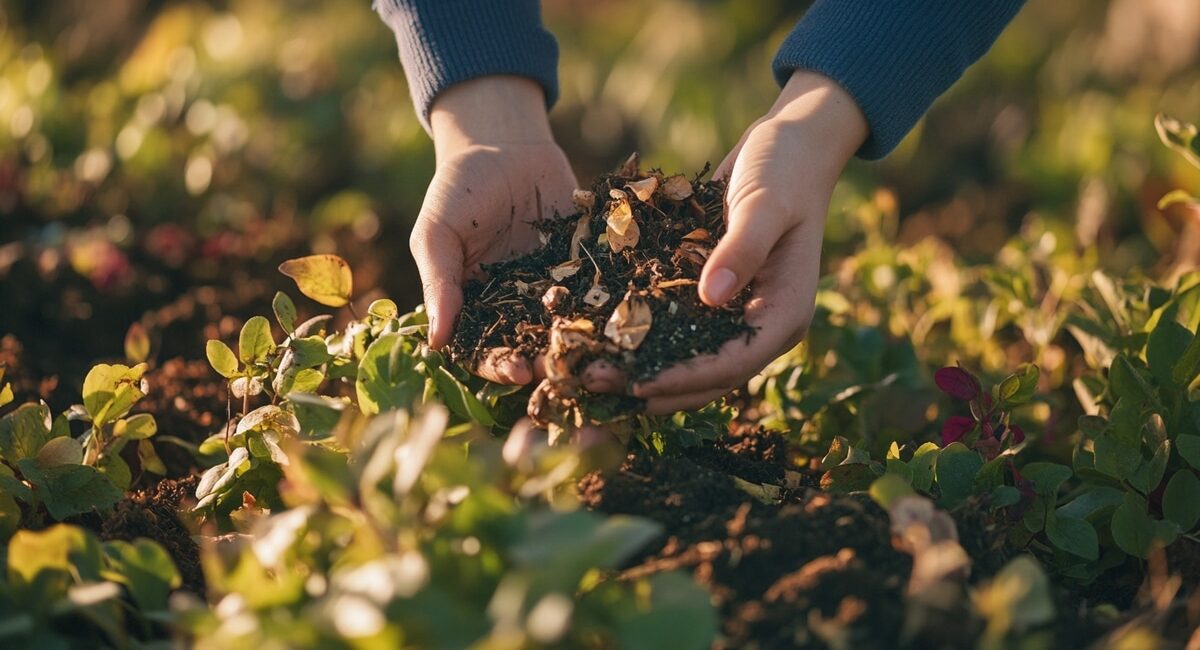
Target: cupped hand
[[781, 176]]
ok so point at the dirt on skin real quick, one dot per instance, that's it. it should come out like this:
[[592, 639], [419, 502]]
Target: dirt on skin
[[816, 571], [615, 281]]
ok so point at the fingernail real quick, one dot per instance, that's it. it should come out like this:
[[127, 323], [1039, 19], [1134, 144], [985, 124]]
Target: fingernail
[[719, 286]]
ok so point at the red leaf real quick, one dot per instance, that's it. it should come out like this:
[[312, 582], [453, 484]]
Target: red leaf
[[955, 428], [957, 383], [1018, 434]]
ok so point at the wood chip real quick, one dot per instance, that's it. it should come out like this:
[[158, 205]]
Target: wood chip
[[596, 296]]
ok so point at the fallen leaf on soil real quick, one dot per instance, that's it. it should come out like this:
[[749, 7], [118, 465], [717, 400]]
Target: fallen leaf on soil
[[629, 168], [554, 296], [698, 234], [677, 188], [565, 270], [644, 189], [623, 231], [581, 231], [630, 323], [674, 283]]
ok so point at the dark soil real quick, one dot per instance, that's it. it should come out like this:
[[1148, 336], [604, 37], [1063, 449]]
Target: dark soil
[[650, 285], [155, 514], [188, 400], [784, 576]]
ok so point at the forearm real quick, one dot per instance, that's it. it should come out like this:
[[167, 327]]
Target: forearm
[[894, 57], [489, 111], [447, 42]]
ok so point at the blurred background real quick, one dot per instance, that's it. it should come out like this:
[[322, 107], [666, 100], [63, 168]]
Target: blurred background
[[158, 158]]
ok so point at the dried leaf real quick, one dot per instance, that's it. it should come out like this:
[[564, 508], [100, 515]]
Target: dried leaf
[[582, 230], [554, 296], [677, 188], [532, 289], [623, 231], [565, 270], [596, 296], [629, 169], [674, 283], [630, 323], [698, 234], [583, 199], [644, 189]]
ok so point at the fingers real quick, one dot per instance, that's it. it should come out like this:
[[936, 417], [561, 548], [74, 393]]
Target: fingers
[[755, 226], [439, 254], [603, 377], [505, 366]]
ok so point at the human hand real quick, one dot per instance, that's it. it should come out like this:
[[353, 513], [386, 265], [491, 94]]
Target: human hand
[[497, 164], [781, 175]]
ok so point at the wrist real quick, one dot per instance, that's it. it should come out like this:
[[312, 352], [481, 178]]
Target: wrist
[[824, 109], [491, 110]]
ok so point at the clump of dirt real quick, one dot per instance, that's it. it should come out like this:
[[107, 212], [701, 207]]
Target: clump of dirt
[[615, 281], [153, 513], [794, 574], [188, 400]]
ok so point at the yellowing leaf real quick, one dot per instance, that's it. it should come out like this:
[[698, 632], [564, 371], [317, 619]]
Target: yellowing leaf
[[629, 239], [677, 188], [221, 358], [565, 270], [137, 343], [324, 278], [644, 189], [623, 231], [629, 323]]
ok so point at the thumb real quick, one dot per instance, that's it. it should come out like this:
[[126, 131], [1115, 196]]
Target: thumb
[[438, 251], [756, 222]]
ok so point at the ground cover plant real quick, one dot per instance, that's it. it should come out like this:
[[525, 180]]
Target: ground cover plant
[[220, 425]]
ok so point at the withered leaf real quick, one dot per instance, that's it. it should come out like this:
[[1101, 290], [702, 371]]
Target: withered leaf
[[554, 296], [629, 169], [623, 231], [582, 230], [566, 270], [677, 188], [698, 234], [629, 323], [627, 240], [644, 189]]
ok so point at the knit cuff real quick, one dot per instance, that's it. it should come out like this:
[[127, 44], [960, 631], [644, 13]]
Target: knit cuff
[[444, 42], [895, 57]]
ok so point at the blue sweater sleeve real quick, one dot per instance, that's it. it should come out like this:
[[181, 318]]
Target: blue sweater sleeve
[[893, 56], [444, 42]]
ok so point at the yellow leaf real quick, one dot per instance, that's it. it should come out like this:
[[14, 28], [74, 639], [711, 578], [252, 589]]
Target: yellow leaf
[[623, 231], [644, 189], [137, 344], [324, 278]]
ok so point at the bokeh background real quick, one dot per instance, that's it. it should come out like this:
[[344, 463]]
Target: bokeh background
[[158, 158]]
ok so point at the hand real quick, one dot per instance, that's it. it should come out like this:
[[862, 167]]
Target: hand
[[781, 175], [495, 157]]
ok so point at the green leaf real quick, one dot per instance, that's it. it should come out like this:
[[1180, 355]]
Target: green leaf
[[1115, 458], [1127, 382], [60, 451], [387, 376], [62, 548], [1094, 499], [10, 516], [1181, 500], [1168, 344], [1150, 473], [69, 490], [323, 278], [255, 342], [137, 344], [317, 414], [145, 569], [852, 477], [460, 399], [888, 488], [148, 457], [1135, 531], [1046, 477], [136, 427], [1188, 446], [677, 614], [955, 470], [110, 390], [1008, 388], [24, 431], [1074, 536], [383, 309], [310, 352], [922, 464], [116, 469], [221, 358], [1004, 496], [1017, 599], [285, 311], [1187, 367]]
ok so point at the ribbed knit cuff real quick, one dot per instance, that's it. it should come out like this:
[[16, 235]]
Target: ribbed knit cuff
[[893, 56], [444, 42]]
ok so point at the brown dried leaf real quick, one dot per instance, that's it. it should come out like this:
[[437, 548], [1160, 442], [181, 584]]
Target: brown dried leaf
[[629, 323], [677, 188], [629, 169], [566, 270], [623, 231], [644, 189], [582, 230], [698, 234], [583, 199], [674, 283], [630, 239]]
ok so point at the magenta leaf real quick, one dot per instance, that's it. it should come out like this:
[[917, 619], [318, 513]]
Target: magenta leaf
[[955, 428], [957, 383]]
